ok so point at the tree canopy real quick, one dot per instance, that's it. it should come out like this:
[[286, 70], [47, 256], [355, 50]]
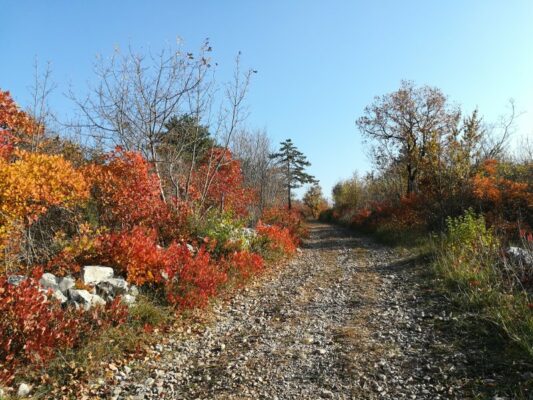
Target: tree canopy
[[292, 163]]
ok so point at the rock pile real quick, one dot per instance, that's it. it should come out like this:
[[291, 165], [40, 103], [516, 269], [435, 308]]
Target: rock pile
[[100, 286]]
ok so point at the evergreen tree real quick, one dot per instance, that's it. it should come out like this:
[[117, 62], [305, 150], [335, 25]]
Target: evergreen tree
[[292, 163]]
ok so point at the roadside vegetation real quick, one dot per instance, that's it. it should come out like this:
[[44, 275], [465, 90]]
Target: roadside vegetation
[[183, 203], [447, 185]]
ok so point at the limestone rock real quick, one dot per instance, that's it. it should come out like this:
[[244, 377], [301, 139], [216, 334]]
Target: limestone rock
[[96, 273], [49, 281], [82, 297], [66, 283], [128, 299], [24, 390], [15, 280]]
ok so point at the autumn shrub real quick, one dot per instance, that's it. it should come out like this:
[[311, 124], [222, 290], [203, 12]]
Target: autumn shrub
[[292, 220], [224, 231], [135, 253], [35, 327], [274, 241], [17, 128], [192, 279], [32, 185], [83, 248], [241, 265], [218, 183], [505, 196], [32, 327], [126, 192]]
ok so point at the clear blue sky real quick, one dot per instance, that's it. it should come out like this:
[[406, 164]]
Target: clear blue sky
[[319, 62]]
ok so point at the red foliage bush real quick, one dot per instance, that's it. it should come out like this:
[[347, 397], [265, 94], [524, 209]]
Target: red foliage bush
[[191, 279], [16, 126], [135, 253], [126, 192], [244, 264], [406, 214], [222, 176], [278, 239], [32, 327], [292, 220]]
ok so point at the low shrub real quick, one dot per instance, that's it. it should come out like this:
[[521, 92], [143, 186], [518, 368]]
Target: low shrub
[[241, 265], [32, 327], [292, 220], [35, 327], [470, 259], [224, 232], [191, 280], [274, 241], [135, 253]]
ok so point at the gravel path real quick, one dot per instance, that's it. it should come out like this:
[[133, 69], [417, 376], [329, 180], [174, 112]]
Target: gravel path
[[342, 320]]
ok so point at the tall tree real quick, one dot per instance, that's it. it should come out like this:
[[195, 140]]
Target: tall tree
[[292, 163], [407, 125]]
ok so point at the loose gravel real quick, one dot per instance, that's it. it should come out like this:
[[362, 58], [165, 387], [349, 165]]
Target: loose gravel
[[343, 320]]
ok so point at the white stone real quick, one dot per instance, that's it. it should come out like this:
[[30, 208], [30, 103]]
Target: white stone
[[80, 296], [15, 280], [128, 299], [24, 390], [120, 286], [97, 301], [66, 283], [96, 273], [134, 291], [58, 295], [49, 281]]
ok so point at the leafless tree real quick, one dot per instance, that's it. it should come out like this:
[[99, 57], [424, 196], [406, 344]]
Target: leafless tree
[[259, 171], [138, 96], [40, 91], [496, 141]]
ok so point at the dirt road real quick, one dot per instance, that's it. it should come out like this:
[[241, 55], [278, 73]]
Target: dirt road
[[342, 320]]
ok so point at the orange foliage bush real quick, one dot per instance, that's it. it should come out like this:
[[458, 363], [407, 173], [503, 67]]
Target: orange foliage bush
[[16, 126], [35, 182], [30, 186], [505, 201]]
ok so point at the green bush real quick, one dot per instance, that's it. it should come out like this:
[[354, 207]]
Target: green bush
[[226, 231], [468, 257]]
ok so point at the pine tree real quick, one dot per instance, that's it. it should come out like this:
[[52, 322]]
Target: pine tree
[[292, 163]]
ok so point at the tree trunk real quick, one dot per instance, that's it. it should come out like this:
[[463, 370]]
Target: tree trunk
[[289, 203], [411, 180]]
